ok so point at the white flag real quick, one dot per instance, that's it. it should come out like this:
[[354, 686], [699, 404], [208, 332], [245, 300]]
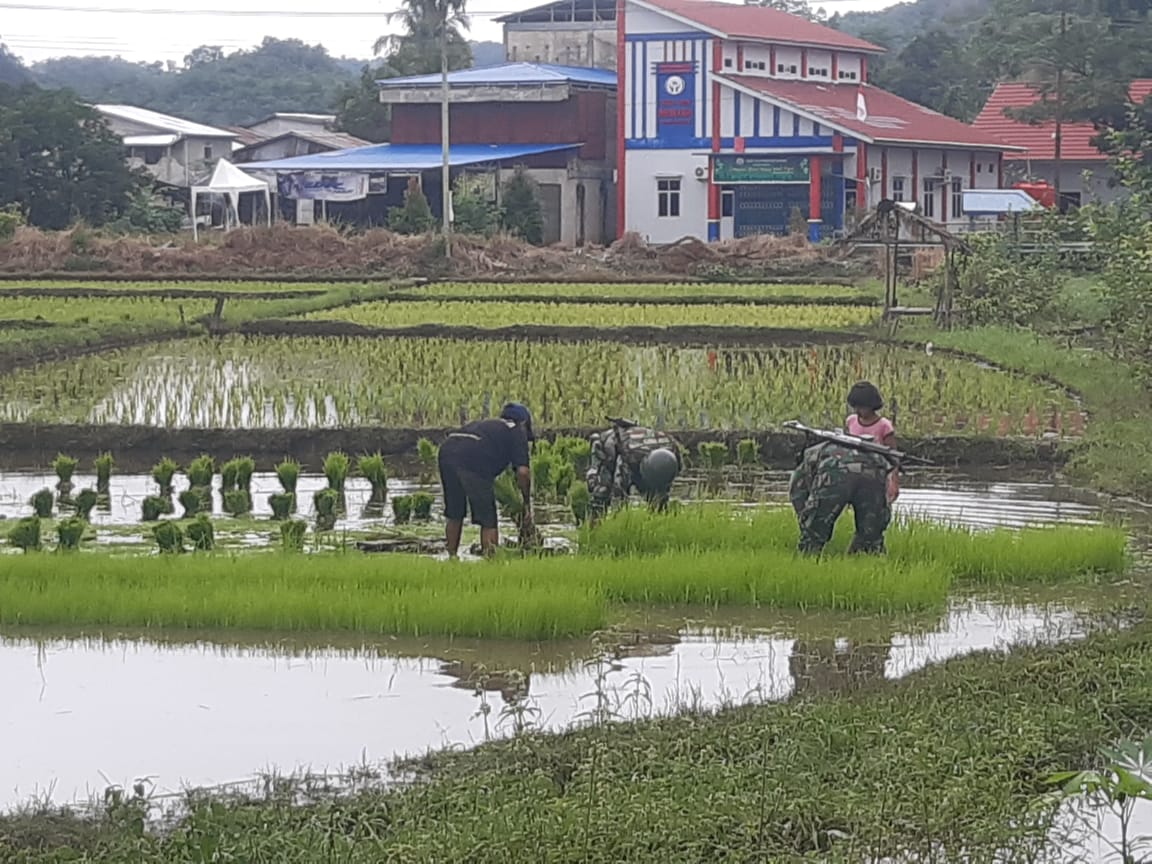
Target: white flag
[[861, 107]]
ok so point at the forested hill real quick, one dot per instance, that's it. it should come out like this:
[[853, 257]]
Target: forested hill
[[215, 88], [897, 25]]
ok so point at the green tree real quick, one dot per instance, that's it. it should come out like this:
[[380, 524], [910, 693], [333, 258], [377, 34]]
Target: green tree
[[939, 71], [12, 71], [473, 212], [414, 216], [799, 8], [59, 161], [359, 110], [416, 50], [522, 215]]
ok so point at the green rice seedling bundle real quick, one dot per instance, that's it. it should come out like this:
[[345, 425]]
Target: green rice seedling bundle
[[373, 469], [336, 467], [713, 454], [201, 534], [507, 290], [103, 465], [283, 504], [169, 538], [326, 504], [237, 474], [25, 534], [191, 501], [495, 314], [579, 499], [1040, 554], [393, 594], [508, 497], [200, 472], [164, 472], [69, 532], [237, 502], [271, 382], [747, 453], [577, 451], [85, 503], [402, 509], [292, 535], [154, 507], [42, 503], [428, 454], [288, 473], [65, 467], [422, 506]]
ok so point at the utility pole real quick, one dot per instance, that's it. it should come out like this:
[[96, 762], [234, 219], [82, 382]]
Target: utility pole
[[1057, 138], [446, 165]]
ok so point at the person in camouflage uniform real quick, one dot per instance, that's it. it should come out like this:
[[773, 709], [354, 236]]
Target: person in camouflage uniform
[[629, 456], [831, 476]]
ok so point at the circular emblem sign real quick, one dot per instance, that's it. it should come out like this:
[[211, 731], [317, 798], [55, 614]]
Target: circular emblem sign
[[674, 85]]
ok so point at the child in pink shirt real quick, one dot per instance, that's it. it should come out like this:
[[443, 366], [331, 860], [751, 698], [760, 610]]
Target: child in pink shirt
[[865, 400]]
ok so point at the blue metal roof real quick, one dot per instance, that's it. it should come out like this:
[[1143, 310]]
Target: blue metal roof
[[509, 75], [406, 157]]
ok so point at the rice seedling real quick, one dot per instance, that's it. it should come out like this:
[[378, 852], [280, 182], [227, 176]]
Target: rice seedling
[[288, 472], [42, 503], [65, 467], [85, 503], [237, 503], [292, 535], [326, 502], [639, 290], [169, 538], [563, 477], [422, 506], [25, 534], [103, 465], [713, 454], [576, 451], [428, 454], [229, 472], [245, 468], [544, 468], [164, 472], [747, 453], [373, 469], [200, 471], [191, 501], [402, 509], [336, 467], [201, 534], [508, 497], [401, 594], [283, 504], [1042, 554], [155, 506], [69, 533], [579, 499]]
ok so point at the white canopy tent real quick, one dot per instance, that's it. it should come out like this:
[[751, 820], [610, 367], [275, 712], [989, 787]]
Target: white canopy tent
[[231, 182]]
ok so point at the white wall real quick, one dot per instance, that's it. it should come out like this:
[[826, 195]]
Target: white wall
[[639, 20], [820, 60], [788, 57], [848, 63], [1096, 188], [643, 167]]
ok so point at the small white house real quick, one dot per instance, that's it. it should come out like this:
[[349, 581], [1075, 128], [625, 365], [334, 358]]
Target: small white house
[[174, 151]]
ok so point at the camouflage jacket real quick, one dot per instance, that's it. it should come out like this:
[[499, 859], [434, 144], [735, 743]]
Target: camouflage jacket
[[828, 464]]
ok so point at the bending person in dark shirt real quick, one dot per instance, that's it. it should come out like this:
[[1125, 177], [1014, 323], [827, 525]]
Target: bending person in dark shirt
[[470, 461]]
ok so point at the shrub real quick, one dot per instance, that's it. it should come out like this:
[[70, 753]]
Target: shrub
[[402, 509], [999, 285], [473, 211], [154, 507], [422, 506], [414, 216], [10, 219], [282, 504], [69, 533], [292, 535], [85, 502], [169, 538], [163, 473], [42, 503], [237, 502], [201, 534], [325, 502], [25, 534], [375, 471], [522, 214], [288, 473]]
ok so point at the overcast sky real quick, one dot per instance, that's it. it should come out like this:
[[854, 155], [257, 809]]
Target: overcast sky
[[163, 29]]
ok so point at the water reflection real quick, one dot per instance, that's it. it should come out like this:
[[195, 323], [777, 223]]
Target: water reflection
[[825, 666]]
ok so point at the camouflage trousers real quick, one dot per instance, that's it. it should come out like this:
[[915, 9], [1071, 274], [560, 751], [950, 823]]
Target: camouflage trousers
[[614, 467], [865, 490]]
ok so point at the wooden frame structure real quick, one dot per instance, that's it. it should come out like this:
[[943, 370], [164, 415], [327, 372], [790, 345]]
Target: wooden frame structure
[[894, 226]]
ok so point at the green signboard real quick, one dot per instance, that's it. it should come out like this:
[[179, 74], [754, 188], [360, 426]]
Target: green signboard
[[760, 169]]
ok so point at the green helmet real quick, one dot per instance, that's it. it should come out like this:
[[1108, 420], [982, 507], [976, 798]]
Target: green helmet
[[659, 468]]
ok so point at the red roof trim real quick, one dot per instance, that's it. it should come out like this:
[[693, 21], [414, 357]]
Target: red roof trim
[[890, 120], [759, 24], [1036, 140]]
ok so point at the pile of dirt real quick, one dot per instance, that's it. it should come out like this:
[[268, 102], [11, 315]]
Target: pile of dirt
[[325, 251]]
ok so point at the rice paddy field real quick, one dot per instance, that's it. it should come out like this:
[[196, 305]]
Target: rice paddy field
[[276, 644]]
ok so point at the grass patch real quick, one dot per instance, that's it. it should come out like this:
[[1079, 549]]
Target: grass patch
[[946, 765], [1043, 554]]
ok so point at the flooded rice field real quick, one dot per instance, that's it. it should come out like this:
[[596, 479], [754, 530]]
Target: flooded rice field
[[84, 713]]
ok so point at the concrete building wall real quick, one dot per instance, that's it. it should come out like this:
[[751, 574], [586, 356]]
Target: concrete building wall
[[182, 164], [1098, 186], [566, 44], [644, 170], [274, 126]]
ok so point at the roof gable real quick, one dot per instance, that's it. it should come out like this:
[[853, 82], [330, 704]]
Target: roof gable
[[1037, 139], [758, 24], [162, 122]]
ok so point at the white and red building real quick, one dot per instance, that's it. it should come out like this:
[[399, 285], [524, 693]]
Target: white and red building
[[732, 116]]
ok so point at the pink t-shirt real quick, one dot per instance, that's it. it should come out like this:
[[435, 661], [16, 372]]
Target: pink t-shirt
[[879, 430]]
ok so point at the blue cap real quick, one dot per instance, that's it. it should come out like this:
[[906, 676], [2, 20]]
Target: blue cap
[[517, 413]]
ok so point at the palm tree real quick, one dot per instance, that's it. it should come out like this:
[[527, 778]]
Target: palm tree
[[431, 28]]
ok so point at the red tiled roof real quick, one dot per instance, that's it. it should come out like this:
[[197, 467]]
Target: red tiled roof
[[1075, 138], [890, 118], [760, 23]]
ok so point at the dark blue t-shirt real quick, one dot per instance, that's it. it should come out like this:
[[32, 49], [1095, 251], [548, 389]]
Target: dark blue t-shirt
[[487, 447]]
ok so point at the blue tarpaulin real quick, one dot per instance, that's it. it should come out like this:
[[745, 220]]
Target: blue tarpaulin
[[509, 75], [407, 157]]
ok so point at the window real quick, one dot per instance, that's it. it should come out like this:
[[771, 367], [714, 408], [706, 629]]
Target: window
[[897, 188], [846, 76], [929, 200], [979, 167], [668, 197], [779, 67], [991, 168], [957, 199], [727, 204], [817, 72], [207, 151], [727, 62]]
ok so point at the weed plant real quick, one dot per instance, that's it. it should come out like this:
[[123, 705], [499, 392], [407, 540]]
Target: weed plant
[[85, 502], [282, 504], [164, 472], [1041, 554], [373, 469], [288, 473], [103, 465], [292, 535], [69, 532], [25, 534], [336, 468], [42, 503], [169, 538], [200, 534]]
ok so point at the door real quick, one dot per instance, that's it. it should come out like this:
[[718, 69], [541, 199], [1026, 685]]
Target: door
[[550, 212], [727, 214]]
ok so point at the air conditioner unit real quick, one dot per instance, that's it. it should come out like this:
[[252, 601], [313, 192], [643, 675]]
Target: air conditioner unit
[[702, 173]]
